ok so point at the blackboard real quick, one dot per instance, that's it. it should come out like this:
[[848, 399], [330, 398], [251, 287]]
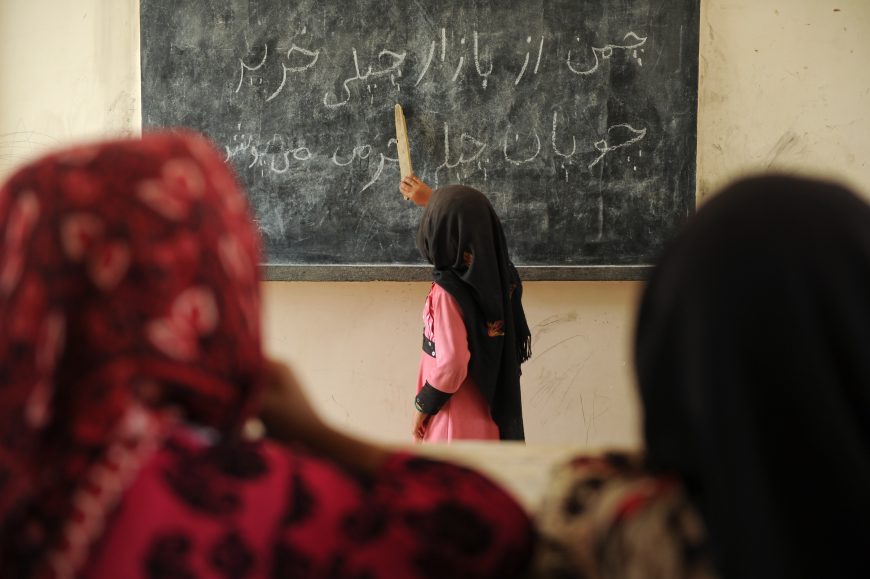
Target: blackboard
[[576, 118]]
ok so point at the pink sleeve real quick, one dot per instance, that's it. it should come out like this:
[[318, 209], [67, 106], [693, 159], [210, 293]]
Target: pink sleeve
[[451, 344]]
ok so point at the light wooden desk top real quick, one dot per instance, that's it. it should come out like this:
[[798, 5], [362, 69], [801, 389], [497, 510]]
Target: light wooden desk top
[[522, 469]]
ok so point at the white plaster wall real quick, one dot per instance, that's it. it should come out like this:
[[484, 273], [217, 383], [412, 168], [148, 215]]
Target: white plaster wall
[[357, 346], [801, 102], [69, 70], [785, 85]]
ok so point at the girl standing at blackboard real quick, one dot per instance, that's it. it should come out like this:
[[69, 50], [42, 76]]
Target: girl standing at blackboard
[[475, 334]]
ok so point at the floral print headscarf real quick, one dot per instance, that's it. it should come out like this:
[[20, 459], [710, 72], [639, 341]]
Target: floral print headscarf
[[128, 302]]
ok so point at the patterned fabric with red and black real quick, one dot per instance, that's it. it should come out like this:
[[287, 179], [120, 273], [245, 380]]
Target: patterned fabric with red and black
[[130, 353]]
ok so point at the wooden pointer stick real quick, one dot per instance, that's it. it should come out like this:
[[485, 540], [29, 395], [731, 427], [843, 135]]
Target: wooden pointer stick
[[402, 145]]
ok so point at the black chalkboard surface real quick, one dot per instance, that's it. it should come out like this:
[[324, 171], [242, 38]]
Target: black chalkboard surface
[[576, 118]]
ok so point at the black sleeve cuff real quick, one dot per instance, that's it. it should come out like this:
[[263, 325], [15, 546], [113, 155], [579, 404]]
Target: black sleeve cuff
[[430, 399]]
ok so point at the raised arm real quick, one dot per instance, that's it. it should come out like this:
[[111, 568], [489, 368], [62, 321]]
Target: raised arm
[[415, 190]]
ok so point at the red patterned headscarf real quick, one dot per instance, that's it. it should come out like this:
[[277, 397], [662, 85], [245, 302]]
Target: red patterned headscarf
[[128, 301]]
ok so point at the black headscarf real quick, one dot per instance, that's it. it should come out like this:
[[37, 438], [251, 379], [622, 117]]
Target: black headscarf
[[753, 359], [461, 236]]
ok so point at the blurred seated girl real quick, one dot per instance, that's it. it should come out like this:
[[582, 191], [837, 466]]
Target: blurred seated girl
[[753, 361], [130, 357]]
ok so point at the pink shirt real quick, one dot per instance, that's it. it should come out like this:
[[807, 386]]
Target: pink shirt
[[466, 415]]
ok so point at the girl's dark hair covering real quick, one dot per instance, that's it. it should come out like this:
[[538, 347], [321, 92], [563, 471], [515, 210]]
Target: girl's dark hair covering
[[461, 236], [753, 359]]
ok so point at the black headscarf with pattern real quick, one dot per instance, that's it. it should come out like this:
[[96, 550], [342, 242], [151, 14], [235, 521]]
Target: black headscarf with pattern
[[753, 359], [461, 236]]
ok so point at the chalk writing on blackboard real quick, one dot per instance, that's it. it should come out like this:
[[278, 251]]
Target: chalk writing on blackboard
[[390, 63], [274, 153], [577, 119]]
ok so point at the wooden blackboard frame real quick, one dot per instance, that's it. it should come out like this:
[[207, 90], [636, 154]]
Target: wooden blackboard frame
[[379, 272]]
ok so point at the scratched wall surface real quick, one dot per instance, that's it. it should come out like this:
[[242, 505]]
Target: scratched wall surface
[[577, 119]]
